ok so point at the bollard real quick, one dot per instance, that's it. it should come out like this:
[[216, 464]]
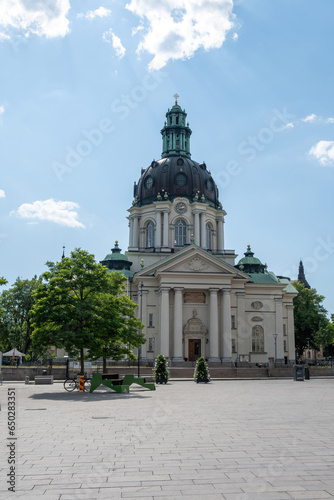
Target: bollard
[[26, 379], [81, 383]]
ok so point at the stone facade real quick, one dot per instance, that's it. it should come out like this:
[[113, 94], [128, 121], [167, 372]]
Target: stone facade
[[195, 300]]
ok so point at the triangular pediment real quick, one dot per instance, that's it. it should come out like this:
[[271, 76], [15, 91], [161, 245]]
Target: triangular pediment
[[192, 260]]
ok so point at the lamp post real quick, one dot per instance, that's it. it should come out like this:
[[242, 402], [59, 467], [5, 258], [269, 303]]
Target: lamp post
[[67, 362], [140, 317], [275, 340]]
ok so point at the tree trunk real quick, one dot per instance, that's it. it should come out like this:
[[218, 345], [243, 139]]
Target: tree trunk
[[104, 367]]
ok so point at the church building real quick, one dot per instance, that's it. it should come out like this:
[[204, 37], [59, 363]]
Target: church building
[[193, 297]]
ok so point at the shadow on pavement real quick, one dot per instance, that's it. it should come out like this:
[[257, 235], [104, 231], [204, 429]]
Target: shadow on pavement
[[89, 397]]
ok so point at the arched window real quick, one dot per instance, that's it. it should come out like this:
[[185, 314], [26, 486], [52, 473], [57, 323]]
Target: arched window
[[208, 230], [257, 339], [150, 235], [180, 233]]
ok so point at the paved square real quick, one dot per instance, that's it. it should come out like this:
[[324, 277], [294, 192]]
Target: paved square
[[233, 440]]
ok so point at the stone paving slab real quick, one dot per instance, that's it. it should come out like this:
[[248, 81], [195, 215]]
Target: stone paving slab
[[232, 440]]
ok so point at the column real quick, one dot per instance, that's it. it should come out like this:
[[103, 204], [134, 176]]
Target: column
[[243, 330], [164, 318], [165, 230], [197, 230], [203, 231], [143, 307], [279, 330], [214, 344], [291, 333], [130, 232], [178, 325], [135, 231], [220, 238], [158, 229], [227, 343]]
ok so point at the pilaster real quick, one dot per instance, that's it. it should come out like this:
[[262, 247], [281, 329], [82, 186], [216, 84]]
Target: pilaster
[[214, 341], [178, 324]]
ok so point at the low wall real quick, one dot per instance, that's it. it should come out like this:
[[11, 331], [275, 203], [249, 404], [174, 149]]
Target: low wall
[[19, 374], [11, 373]]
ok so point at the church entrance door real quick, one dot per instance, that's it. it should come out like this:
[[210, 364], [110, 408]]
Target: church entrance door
[[194, 349]]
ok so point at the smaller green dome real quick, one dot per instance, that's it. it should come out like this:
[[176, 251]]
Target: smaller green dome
[[116, 254], [116, 261], [249, 263]]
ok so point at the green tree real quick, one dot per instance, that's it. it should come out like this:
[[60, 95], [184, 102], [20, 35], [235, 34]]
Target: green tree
[[325, 337], [16, 304], [71, 308], [310, 317], [116, 326]]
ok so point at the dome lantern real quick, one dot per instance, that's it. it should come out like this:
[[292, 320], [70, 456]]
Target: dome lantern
[[176, 133]]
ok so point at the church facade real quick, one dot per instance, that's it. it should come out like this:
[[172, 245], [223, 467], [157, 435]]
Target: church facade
[[193, 298]]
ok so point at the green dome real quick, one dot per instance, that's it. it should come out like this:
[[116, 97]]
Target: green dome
[[116, 261], [115, 255], [249, 263]]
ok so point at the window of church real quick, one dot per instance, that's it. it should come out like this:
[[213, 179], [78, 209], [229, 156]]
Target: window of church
[[234, 348], [150, 235], [150, 345], [180, 233], [233, 322], [208, 230], [285, 346], [257, 339], [150, 319], [284, 330]]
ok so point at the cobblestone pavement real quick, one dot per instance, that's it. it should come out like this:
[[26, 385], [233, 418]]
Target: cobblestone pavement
[[231, 439]]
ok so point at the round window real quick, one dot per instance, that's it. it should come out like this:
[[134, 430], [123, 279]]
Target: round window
[[149, 181], [181, 180]]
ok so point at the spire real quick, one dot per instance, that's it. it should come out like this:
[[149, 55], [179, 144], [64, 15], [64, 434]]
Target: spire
[[301, 275], [63, 256], [176, 132]]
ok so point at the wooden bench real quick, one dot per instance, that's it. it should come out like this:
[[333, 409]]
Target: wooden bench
[[43, 379], [120, 385]]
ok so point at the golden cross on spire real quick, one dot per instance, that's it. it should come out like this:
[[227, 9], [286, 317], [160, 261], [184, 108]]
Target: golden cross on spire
[[176, 96]]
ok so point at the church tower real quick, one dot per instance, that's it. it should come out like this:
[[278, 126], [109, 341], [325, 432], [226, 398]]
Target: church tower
[[176, 200], [301, 275]]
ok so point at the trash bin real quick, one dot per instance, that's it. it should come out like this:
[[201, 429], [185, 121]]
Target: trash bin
[[26, 379], [307, 373], [298, 372], [44, 372]]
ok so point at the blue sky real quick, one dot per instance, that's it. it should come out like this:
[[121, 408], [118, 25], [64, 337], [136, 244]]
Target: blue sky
[[84, 89]]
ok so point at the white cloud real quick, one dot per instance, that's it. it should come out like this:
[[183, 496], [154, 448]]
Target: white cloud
[[177, 28], [137, 29], [39, 17], [289, 125], [2, 194], [92, 14], [235, 36], [3, 36], [310, 118], [2, 110], [59, 212], [324, 152], [116, 42], [330, 120]]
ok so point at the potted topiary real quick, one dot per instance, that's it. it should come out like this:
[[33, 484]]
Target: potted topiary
[[160, 371], [201, 371]]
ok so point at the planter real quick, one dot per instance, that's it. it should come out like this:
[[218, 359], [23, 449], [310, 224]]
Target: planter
[[161, 381], [202, 380]]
